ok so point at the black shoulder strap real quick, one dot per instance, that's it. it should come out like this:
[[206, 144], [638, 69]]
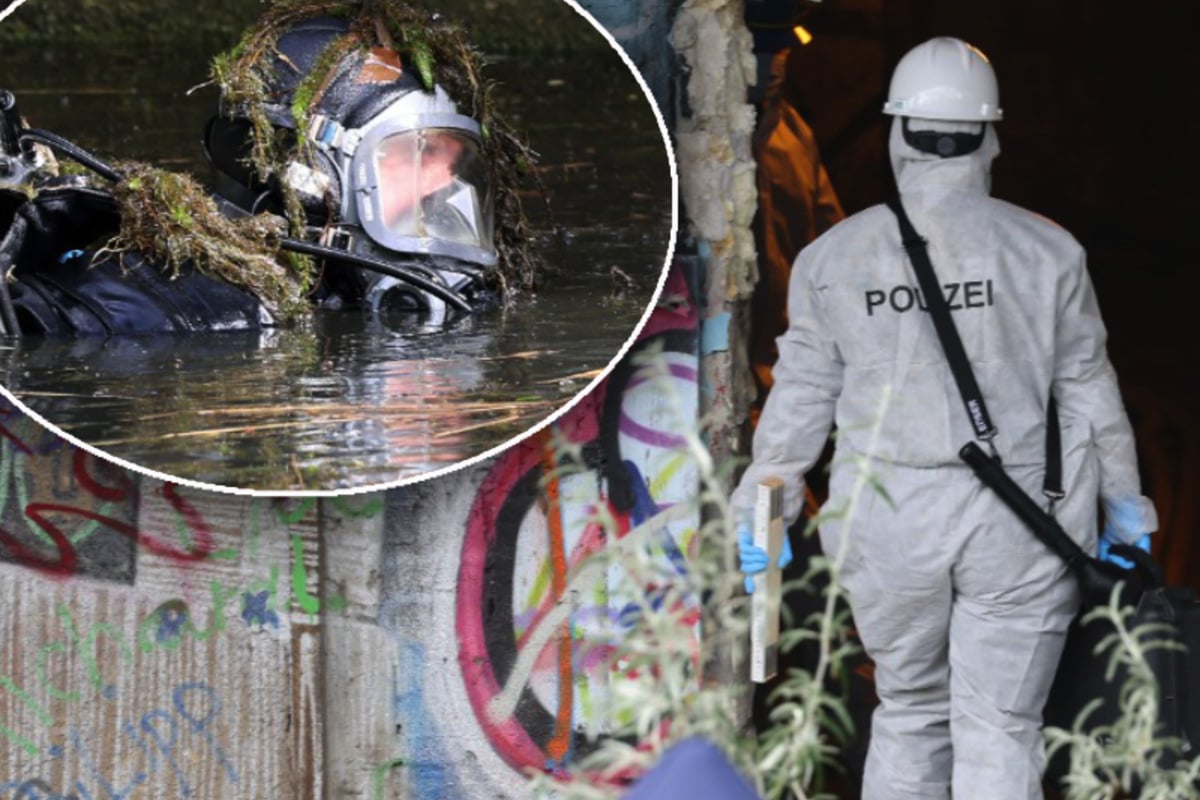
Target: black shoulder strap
[[931, 290], [960, 366], [1052, 485]]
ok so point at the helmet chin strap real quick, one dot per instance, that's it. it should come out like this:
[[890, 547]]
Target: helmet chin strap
[[944, 144]]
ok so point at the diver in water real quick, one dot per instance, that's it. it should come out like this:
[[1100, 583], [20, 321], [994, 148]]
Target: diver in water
[[351, 180]]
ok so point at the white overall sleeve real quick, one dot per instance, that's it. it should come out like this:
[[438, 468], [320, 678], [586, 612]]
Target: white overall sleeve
[[1085, 386], [799, 411]]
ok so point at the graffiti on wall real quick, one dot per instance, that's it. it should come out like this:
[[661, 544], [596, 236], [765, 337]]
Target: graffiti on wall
[[170, 742], [538, 694], [137, 614], [64, 512], [535, 695], [44, 482]]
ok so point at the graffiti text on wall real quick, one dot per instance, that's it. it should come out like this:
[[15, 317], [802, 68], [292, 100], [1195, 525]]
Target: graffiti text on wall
[[184, 722]]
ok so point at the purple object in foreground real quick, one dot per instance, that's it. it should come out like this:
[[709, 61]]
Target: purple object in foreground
[[692, 768]]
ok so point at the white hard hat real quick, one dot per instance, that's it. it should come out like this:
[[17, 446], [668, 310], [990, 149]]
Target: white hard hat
[[944, 78]]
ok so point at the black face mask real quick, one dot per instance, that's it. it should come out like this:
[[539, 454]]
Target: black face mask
[[942, 143]]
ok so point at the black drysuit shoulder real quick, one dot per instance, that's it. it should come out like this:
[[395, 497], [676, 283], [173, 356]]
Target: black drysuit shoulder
[[62, 284]]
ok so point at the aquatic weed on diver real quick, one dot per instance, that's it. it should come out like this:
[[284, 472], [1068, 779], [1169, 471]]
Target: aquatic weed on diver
[[170, 215], [437, 51]]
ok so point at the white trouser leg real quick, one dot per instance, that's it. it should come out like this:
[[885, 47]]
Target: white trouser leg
[[910, 753], [898, 582], [1013, 602]]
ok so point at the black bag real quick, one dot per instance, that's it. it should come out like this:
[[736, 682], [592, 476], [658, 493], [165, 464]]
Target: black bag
[[1081, 674], [1080, 679]]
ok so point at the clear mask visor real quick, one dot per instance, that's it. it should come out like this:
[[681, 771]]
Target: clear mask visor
[[433, 184]]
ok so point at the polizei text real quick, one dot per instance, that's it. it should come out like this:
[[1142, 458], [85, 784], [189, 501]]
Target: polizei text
[[967, 294]]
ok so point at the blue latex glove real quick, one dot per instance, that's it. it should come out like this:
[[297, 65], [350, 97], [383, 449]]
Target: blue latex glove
[[1107, 540], [692, 768], [752, 559]]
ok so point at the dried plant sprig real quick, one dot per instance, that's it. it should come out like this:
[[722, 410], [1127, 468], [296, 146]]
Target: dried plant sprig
[[1129, 757]]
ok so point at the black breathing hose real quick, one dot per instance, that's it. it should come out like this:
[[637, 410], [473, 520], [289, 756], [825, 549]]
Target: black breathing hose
[[402, 273], [73, 151]]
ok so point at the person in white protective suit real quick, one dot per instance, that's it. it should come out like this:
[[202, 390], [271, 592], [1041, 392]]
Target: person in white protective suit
[[963, 612]]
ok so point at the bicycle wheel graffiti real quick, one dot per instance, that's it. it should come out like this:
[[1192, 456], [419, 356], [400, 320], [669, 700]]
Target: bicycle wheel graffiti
[[538, 694]]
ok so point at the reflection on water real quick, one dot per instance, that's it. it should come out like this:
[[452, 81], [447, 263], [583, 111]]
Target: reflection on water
[[347, 401]]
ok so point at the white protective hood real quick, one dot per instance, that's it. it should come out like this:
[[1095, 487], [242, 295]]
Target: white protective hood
[[929, 173]]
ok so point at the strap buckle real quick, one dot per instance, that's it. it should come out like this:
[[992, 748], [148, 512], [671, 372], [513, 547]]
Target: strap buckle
[[329, 134], [338, 239], [1052, 498], [989, 438]]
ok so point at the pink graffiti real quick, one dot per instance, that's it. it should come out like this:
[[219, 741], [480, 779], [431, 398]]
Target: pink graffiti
[[515, 473], [106, 483]]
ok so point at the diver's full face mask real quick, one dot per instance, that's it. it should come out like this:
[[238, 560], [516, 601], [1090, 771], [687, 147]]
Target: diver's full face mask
[[418, 184]]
